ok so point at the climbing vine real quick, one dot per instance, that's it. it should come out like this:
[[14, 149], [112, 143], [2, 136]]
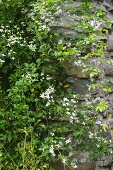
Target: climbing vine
[[42, 119]]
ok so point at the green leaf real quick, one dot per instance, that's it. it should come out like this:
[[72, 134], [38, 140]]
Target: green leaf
[[102, 106]]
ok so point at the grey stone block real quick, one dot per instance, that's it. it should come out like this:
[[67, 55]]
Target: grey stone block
[[102, 168], [110, 42], [112, 168], [105, 169], [81, 85], [100, 163]]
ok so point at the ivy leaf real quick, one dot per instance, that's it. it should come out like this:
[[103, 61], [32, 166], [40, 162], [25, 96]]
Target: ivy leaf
[[105, 127], [102, 106]]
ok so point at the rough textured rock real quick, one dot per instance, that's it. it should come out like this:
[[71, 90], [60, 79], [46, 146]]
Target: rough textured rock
[[65, 21], [74, 70], [110, 101], [82, 160], [78, 71], [104, 163], [86, 166], [110, 42], [80, 79], [80, 85], [108, 68], [67, 32]]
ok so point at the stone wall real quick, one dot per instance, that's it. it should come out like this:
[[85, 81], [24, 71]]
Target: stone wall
[[81, 80]]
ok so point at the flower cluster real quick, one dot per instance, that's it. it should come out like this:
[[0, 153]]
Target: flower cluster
[[2, 61], [68, 141], [13, 39], [51, 150], [96, 24], [47, 93]]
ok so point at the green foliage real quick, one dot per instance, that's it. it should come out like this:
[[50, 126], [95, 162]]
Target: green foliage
[[102, 106], [41, 120]]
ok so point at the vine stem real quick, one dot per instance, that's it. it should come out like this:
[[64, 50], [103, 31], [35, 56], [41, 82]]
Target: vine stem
[[24, 149]]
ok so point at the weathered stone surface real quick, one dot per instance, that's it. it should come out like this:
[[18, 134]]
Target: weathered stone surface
[[74, 70], [80, 85], [85, 166], [108, 4], [67, 32], [65, 20], [100, 163], [109, 54], [82, 160], [111, 122], [106, 162], [103, 162], [77, 70], [80, 80], [73, 5], [98, 168], [110, 101], [108, 68], [110, 42]]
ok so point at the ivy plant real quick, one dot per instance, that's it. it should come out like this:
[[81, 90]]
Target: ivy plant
[[42, 120]]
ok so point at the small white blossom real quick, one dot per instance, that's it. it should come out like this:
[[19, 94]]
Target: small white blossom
[[73, 101], [42, 74], [2, 61], [68, 141], [47, 93], [99, 122], [84, 123], [63, 160], [48, 104], [60, 41], [52, 134], [65, 99], [58, 146], [78, 63], [75, 166], [65, 102], [91, 135], [48, 77], [83, 160], [32, 47], [12, 58], [51, 150]]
